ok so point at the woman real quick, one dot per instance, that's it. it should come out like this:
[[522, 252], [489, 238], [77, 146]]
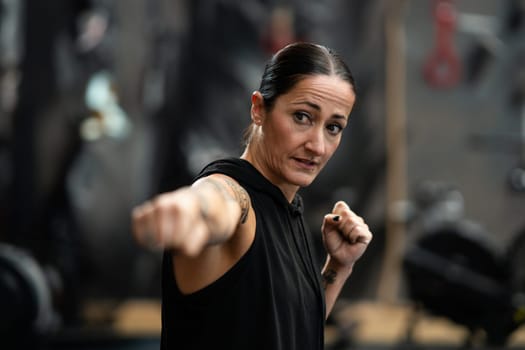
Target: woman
[[239, 269]]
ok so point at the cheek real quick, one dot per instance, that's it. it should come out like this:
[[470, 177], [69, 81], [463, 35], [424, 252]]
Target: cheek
[[283, 137], [331, 147]]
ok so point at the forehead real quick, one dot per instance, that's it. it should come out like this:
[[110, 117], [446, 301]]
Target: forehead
[[325, 90]]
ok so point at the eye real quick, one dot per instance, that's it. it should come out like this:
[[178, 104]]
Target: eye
[[334, 128], [302, 117]]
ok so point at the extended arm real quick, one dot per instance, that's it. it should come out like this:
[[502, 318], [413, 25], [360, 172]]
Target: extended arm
[[193, 217]]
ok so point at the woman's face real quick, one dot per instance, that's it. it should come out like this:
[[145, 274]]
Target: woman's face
[[297, 137]]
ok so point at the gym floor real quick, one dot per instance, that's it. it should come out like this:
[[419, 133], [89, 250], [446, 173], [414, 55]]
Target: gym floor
[[135, 325]]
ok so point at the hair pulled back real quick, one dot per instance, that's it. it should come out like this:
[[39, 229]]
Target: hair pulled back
[[295, 62]]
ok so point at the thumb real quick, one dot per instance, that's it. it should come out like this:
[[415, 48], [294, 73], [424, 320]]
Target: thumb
[[340, 206]]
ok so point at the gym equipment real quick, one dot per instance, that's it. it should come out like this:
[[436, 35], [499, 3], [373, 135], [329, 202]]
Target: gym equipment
[[442, 68], [26, 296], [516, 257], [454, 268], [454, 272]]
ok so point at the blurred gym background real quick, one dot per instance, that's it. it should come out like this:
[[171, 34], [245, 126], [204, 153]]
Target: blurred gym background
[[104, 103]]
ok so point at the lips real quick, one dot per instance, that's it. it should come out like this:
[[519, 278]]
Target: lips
[[306, 163]]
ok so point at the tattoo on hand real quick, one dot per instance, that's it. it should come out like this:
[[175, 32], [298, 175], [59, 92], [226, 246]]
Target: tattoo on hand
[[329, 277]]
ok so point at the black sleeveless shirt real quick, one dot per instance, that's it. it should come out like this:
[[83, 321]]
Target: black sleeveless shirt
[[270, 299]]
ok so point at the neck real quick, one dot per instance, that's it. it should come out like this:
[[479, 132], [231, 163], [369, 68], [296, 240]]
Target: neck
[[289, 191]]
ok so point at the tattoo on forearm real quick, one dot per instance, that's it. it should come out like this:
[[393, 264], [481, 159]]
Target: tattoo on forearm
[[329, 277], [241, 196]]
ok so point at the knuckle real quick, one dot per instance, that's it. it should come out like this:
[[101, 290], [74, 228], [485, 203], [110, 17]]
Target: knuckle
[[340, 205], [158, 203], [136, 214]]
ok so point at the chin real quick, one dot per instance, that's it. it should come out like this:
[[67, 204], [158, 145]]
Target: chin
[[303, 181]]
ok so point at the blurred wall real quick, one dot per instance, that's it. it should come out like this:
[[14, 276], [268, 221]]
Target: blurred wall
[[178, 77]]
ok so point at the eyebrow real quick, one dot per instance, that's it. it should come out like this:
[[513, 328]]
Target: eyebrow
[[318, 108], [311, 104]]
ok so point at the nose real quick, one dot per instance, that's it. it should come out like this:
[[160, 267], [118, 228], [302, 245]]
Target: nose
[[316, 142]]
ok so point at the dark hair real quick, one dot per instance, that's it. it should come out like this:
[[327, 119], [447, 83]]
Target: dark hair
[[296, 61], [293, 63]]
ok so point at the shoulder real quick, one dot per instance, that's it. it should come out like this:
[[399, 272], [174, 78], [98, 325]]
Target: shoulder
[[193, 274], [228, 187]]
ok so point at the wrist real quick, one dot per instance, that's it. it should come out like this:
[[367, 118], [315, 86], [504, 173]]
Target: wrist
[[335, 265], [334, 272]]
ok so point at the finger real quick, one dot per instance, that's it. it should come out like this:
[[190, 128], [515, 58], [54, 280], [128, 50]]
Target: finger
[[195, 242], [350, 225], [342, 209], [346, 229], [166, 215], [139, 222], [182, 218], [331, 221], [360, 234], [333, 218], [148, 231], [343, 222], [341, 206], [136, 218], [151, 241]]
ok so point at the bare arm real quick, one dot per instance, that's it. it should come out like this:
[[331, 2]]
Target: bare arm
[[334, 278], [346, 237], [193, 217], [223, 203]]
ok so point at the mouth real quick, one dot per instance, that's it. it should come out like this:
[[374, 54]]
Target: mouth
[[306, 163]]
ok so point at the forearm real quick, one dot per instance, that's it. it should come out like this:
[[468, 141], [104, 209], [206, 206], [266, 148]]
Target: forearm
[[334, 277]]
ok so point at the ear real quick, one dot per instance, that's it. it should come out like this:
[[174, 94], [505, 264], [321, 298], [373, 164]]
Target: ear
[[257, 110]]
